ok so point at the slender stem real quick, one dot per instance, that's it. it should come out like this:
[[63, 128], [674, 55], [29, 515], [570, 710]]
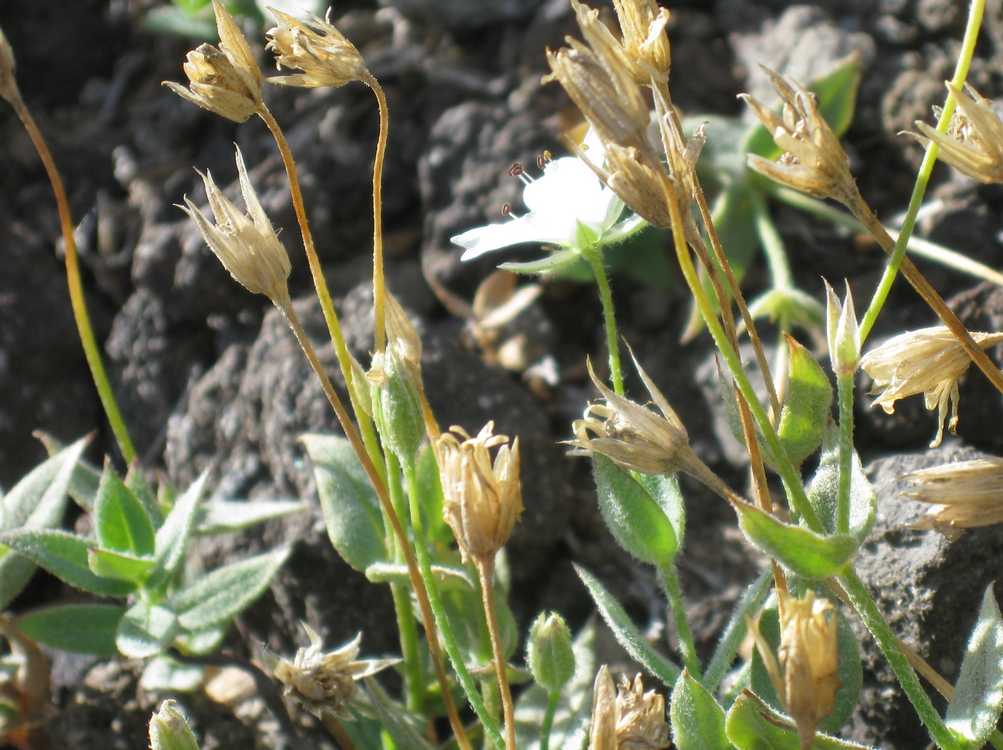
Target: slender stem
[[919, 246], [593, 255], [76, 288], [844, 387], [485, 572], [975, 13], [449, 641], [734, 632], [868, 611], [379, 287], [548, 719], [674, 592], [787, 472], [417, 582], [773, 244]]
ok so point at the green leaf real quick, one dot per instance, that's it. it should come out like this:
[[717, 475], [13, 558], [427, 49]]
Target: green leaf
[[169, 729], [978, 696], [697, 719], [172, 537], [38, 501], [448, 577], [121, 521], [807, 406], [574, 706], [823, 490], [143, 491], [626, 632], [849, 670], [405, 728], [735, 631], [351, 509], [65, 556], [199, 642], [120, 566], [559, 260], [86, 477], [802, 550], [226, 516], [665, 491], [788, 307], [164, 674], [753, 725], [76, 628], [837, 97], [226, 591], [632, 515], [145, 630], [437, 531]]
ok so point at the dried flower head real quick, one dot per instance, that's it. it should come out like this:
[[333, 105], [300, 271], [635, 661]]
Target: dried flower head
[[315, 47], [8, 81], [626, 718], [245, 243], [483, 500], [225, 80], [806, 679], [645, 43], [813, 160], [974, 142], [599, 81], [928, 361], [323, 682], [965, 494]]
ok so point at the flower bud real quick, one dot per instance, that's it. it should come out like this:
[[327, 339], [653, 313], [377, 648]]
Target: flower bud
[[549, 652], [318, 49], [482, 501], [8, 82], [169, 729], [842, 332]]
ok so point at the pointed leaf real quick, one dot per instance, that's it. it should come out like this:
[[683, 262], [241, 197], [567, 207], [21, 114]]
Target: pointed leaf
[[119, 566], [226, 591], [172, 537], [631, 514], [164, 674], [405, 728], [75, 628], [823, 490], [734, 633], [560, 260], [978, 697], [665, 491], [199, 642], [752, 725], [627, 633], [697, 719], [806, 553], [807, 405], [65, 556], [143, 491], [351, 510], [429, 485], [86, 477], [121, 521], [145, 630], [38, 501], [225, 516]]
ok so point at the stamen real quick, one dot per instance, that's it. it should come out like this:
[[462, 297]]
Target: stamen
[[508, 212], [544, 159], [517, 170]]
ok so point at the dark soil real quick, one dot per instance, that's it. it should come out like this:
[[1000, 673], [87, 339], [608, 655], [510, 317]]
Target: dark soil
[[208, 376]]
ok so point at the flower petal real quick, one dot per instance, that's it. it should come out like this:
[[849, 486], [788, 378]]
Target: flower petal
[[480, 240]]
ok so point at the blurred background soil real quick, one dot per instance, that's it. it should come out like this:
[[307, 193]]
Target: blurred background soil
[[208, 376]]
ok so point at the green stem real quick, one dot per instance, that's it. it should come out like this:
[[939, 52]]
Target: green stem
[[773, 244], [734, 633], [868, 611], [492, 701], [674, 592], [407, 628], [449, 642], [844, 386], [593, 255], [76, 288], [784, 468], [996, 739], [975, 13], [548, 719]]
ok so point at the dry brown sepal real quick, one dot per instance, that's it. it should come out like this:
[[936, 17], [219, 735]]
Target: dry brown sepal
[[224, 80], [482, 500], [645, 43], [813, 161], [315, 47], [973, 143], [928, 361], [806, 678], [323, 682], [626, 718], [8, 81], [245, 243], [965, 494]]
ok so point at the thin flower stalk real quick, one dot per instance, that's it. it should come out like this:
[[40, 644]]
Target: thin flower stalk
[[379, 284], [674, 593], [78, 303], [485, 574]]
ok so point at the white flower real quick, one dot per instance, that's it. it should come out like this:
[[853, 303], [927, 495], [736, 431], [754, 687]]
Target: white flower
[[568, 206]]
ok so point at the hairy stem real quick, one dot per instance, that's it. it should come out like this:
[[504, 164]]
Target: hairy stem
[[76, 288], [379, 286], [734, 632], [674, 592], [548, 719], [485, 572], [773, 245], [593, 255], [844, 387]]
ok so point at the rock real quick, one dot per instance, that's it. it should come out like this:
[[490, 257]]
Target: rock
[[929, 589]]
